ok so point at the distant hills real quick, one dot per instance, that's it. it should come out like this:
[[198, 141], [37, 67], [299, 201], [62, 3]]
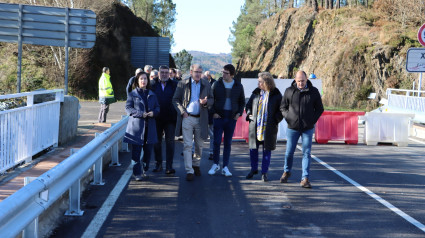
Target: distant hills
[[212, 62]]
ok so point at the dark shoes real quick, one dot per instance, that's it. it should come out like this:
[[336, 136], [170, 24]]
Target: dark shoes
[[305, 183], [251, 174], [189, 177], [197, 170], [285, 176], [170, 171], [264, 177], [158, 168], [211, 157]]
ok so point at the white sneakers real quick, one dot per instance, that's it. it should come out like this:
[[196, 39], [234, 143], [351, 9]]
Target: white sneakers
[[214, 169], [225, 171]]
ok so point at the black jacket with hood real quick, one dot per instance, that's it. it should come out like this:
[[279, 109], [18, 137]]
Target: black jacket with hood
[[301, 108]]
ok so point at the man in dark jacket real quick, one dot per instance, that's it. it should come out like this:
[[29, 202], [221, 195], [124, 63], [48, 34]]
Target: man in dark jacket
[[301, 107], [229, 102], [166, 120]]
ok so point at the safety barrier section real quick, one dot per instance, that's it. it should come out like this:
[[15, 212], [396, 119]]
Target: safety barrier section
[[241, 129], [387, 127], [18, 211], [337, 126], [405, 101], [26, 131]]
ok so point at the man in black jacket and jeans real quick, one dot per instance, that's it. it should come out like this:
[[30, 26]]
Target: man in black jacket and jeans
[[164, 89], [229, 102], [301, 107]]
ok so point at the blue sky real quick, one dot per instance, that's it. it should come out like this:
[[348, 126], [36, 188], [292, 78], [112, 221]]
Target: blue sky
[[203, 25]]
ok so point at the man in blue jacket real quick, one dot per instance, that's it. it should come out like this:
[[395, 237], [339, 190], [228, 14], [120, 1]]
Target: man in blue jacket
[[164, 89], [301, 107]]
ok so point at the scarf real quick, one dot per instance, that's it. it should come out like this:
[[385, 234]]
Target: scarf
[[262, 115]]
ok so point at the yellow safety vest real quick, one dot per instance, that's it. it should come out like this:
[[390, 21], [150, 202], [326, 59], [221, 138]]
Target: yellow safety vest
[[105, 87]]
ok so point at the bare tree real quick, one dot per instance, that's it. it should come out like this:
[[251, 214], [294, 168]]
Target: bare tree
[[291, 4], [315, 5]]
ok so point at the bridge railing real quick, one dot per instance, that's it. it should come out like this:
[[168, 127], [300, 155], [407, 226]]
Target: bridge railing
[[26, 131], [20, 211]]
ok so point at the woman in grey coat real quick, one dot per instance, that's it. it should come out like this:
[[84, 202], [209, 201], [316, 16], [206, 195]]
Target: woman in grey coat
[[142, 107], [264, 116]]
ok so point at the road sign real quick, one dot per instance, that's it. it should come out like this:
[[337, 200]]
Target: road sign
[[51, 26], [415, 60], [421, 35]]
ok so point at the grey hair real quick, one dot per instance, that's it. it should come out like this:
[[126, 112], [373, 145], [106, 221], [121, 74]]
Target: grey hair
[[148, 67], [138, 70], [193, 66], [268, 80], [105, 69]]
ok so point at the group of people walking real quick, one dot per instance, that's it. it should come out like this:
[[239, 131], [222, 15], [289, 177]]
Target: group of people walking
[[200, 107]]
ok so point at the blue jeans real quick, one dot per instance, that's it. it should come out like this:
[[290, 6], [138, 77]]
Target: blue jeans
[[267, 155], [167, 128], [227, 125], [291, 144], [135, 156]]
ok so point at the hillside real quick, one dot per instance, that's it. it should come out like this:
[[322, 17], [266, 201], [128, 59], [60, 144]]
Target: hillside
[[43, 65], [354, 51], [212, 62]]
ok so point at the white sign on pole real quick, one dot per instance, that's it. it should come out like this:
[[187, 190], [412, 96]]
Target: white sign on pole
[[415, 60]]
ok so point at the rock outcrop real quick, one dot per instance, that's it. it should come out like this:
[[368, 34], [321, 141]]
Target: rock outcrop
[[353, 51]]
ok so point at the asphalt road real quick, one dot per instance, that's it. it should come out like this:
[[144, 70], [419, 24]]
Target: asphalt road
[[216, 206]]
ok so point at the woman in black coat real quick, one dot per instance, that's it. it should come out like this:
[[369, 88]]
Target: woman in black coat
[[264, 116], [142, 107]]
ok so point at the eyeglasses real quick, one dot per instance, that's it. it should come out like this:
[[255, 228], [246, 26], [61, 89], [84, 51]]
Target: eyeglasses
[[224, 72], [198, 72], [165, 72]]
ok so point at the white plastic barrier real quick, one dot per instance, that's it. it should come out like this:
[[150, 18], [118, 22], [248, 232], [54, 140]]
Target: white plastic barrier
[[386, 127]]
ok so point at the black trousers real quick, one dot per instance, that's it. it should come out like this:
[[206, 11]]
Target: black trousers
[[168, 129]]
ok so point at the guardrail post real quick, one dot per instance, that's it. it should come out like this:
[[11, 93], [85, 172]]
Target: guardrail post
[[97, 170], [30, 130], [115, 158], [31, 230], [124, 146], [74, 196]]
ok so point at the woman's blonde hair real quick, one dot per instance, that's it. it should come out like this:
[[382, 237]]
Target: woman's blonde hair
[[268, 80]]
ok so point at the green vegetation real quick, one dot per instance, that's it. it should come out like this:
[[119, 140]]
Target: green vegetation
[[183, 60], [363, 92], [160, 14]]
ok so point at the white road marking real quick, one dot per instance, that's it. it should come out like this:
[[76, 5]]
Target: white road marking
[[417, 141], [107, 206], [408, 218]]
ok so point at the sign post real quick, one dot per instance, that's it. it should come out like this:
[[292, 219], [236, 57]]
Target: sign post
[[50, 26], [421, 38]]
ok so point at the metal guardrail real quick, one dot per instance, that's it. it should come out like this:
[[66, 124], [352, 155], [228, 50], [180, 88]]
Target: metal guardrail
[[26, 131], [18, 211]]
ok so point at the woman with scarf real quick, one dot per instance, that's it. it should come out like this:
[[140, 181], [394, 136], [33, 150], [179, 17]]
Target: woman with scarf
[[142, 107], [264, 116]]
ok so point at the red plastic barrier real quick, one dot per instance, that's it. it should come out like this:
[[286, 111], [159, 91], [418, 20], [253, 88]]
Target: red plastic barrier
[[241, 128], [341, 126]]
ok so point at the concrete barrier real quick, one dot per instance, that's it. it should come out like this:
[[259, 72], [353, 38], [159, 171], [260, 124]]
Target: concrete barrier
[[68, 122]]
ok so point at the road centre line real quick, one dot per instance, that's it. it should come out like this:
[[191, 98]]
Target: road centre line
[[408, 218], [107, 206]]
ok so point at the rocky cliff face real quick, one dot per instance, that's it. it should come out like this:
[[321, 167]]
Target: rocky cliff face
[[353, 51]]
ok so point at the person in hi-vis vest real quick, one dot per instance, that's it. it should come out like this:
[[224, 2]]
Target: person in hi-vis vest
[[106, 94]]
